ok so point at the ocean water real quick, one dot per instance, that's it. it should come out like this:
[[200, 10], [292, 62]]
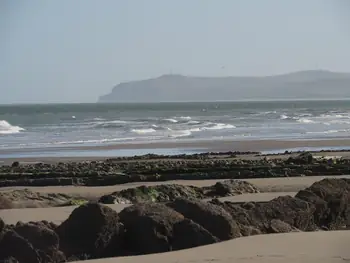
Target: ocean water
[[67, 125]]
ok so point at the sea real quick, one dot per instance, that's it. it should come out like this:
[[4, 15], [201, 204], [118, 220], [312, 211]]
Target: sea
[[70, 125]]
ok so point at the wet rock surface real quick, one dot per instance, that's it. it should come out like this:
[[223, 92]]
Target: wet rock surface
[[96, 231], [148, 168]]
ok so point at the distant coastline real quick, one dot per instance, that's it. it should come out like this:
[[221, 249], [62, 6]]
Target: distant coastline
[[302, 85]]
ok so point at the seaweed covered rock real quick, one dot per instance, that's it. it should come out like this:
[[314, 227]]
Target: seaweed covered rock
[[155, 193], [149, 228], [210, 216], [91, 229]]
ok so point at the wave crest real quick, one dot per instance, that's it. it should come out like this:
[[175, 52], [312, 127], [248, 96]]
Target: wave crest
[[7, 128]]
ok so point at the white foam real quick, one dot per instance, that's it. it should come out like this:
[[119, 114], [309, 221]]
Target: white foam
[[109, 124], [171, 120], [184, 133], [193, 122], [304, 120], [7, 128], [219, 126], [185, 117], [143, 131], [283, 117]]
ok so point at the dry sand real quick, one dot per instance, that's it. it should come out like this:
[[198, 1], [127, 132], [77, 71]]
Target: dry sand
[[316, 247]]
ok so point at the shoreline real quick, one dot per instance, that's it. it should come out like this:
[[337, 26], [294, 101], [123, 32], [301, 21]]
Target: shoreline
[[174, 148]]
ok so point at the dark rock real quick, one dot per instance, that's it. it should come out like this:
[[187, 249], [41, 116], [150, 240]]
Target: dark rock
[[293, 211], [249, 230], [2, 225], [278, 226], [233, 187], [90, 229], [303, 158], [149, 228], [9, 260], [212, 217], [155, 193], [17, 247], [188, 234], [40, 236], [15, 164], [331, 197]]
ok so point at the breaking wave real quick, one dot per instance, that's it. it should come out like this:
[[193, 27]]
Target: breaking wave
[[7, 128], [143, 131]]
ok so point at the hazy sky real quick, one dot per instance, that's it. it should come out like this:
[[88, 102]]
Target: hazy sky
[[74, 51]]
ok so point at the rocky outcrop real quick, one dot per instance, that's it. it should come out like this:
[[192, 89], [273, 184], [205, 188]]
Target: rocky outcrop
[[149, 228], [156, 193], [232, 187], [171, 192], [26, 198], [96, 231], [91, 231], [295, 212], [188, 234], [331, 198], [210, 216], [151, 168]]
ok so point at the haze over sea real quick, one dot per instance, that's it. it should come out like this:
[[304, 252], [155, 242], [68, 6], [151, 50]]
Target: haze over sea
[[76, 125]]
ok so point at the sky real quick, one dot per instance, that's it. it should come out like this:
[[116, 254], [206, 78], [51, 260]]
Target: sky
[[75, 51]]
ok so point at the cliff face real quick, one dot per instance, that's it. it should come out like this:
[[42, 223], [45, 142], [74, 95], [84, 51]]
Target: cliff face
[[299, 85]]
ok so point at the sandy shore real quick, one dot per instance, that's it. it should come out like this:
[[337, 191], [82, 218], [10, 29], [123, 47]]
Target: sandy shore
[[306, 247]]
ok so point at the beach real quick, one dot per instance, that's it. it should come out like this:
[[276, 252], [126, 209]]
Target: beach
[[222, 182], [43, 199]]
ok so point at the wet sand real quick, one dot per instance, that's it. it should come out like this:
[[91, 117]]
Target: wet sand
[[99, 152]]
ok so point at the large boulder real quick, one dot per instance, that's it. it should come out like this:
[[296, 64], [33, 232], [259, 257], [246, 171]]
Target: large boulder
[[210, 216], [258, 217], [38, 234], [149, 228], [233, 187], [43, 239], [154, 193], [290, 210], [12, 245], [91, 231], [2, 225], [188, 234], [302, 159], [331, 197]]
